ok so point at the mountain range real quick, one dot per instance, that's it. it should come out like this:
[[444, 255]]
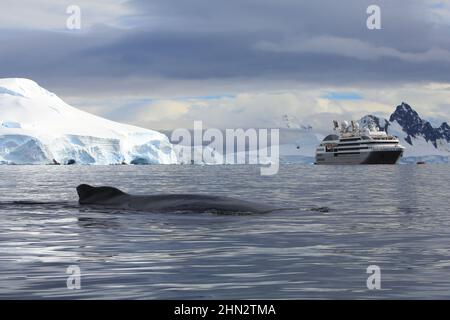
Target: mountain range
[[421, 140], [37, 127]]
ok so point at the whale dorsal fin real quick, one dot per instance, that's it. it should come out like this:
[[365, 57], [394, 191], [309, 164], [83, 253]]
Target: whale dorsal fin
[[89, 193]]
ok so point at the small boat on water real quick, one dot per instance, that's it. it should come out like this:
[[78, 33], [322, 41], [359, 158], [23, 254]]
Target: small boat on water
[[351, 144]]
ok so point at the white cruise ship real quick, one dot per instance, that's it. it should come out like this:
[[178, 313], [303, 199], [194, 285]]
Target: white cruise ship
[[352, 145]]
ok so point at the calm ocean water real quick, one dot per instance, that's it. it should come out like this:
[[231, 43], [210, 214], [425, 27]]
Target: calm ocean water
[[395, 217]]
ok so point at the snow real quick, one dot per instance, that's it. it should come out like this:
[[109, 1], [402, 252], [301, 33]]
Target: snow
[[420, 150], [11, 125], [38, 127], [298, 142], [298, 145]]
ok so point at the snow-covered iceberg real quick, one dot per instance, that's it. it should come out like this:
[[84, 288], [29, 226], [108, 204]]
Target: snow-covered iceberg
[[37, 127]]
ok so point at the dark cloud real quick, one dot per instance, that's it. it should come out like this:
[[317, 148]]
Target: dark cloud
[[218, 40]]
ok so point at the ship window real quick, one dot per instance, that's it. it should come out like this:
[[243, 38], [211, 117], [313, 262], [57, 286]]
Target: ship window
[[365, 138], [331, 137]]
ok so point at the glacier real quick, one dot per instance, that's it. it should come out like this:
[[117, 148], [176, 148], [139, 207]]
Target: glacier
[[37, 127]]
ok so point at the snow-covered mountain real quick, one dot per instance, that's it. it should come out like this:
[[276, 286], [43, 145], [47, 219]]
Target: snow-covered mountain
[[298, 141], [37, 127], [421, 140], [289, 121]]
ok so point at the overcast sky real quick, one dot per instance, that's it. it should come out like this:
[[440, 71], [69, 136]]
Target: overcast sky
[[162, 64]]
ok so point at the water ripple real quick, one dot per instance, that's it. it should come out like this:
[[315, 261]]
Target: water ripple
[[347, 219]]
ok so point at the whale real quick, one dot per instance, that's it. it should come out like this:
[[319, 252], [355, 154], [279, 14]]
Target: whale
[[110, 197]]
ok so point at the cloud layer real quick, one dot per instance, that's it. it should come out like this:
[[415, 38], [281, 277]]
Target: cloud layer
[[157, 63]]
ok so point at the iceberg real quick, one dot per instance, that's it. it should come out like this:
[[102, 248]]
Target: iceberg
[[37, 127]]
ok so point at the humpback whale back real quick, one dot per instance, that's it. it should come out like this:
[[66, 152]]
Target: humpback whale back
[[114, 198], [90, 194]]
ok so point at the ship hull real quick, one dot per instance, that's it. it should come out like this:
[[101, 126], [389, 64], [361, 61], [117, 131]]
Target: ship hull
[[372, 157]]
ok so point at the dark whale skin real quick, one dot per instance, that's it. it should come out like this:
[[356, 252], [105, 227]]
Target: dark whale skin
[[111, 197]]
